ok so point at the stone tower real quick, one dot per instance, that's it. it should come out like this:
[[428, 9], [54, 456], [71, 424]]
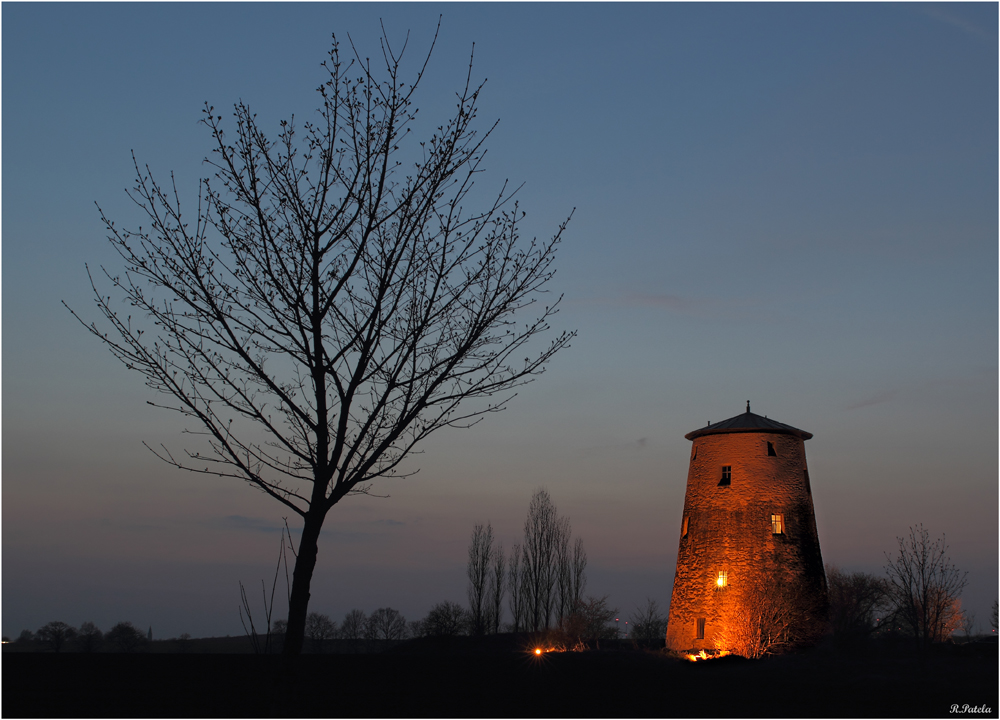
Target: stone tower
[[748, 523]]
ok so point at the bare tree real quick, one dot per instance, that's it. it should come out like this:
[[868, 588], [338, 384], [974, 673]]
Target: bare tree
[[353, 625], [385, 624], [589, 621], [993, 616], [516, 590], [648, 623], [478, 570], [319, 629], [925, 586], [496, 590], [125, 637], [332, 302], [564, 572], [56, 634], [767, 615], [89, 637], [859, 604], [352, 628], [968, 624], [539, 559], [578, 570], [553, 577], [447, 619], [415, 629]]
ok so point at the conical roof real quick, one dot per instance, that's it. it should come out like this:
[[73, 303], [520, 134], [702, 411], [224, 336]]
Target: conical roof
[[748, 422]]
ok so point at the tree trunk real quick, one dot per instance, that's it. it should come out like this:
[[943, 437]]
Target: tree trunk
[[298, 604]]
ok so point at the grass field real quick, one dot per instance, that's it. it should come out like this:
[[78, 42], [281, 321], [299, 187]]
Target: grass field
[[465, 679]]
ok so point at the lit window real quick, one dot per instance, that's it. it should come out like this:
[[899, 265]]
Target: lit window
[[727, 475], [723, 578], [770, 450], [778, 524], [699, 629], [684, 527]]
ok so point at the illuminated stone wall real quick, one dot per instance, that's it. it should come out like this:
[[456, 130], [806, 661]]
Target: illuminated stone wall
[[729, 528]]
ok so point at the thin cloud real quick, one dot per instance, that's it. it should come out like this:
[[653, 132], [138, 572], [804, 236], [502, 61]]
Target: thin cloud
[[251, 524], [877, 399], [243, 523], [955, 21]]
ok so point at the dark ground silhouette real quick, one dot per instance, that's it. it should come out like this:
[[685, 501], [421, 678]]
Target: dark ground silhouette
[[460, 677]]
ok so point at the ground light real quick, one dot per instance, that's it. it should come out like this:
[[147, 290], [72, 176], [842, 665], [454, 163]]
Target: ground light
[[705, 656]]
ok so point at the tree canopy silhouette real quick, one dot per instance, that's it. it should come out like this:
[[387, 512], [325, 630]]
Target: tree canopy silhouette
[[331, 302], [925, 586]]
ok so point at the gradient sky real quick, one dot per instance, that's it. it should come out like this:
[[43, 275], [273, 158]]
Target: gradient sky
[[791, 204]]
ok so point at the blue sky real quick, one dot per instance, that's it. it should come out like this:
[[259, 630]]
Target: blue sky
[[791, 204]]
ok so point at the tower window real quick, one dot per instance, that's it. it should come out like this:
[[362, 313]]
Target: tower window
[[694, 453], [778, 524], [723, 579], [684, 527], [699, 632], [770, 450], [727, 475]]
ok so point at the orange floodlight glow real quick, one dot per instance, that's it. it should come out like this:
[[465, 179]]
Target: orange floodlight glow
[[538, 651]]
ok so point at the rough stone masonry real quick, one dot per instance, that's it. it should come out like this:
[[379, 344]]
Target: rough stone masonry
[[748, 517]]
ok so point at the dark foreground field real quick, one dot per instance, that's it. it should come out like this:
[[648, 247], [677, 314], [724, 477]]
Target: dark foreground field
[[457, 682]]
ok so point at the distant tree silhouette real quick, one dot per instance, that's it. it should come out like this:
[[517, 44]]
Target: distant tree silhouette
[[516, 590], [589, 621], [319, 629], [552, 578], [126, 638], [447, 619], [859, 604], [496, 588], [415, 629], [332, 302], [968, 624], [993, 616], [648, 624], [385, 624], [352, 628], [25, 637], [56, 634], [925, 586], [89, 637], [481, 553]]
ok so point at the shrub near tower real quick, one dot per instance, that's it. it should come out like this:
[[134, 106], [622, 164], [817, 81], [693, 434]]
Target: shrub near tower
[[749, 570]]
